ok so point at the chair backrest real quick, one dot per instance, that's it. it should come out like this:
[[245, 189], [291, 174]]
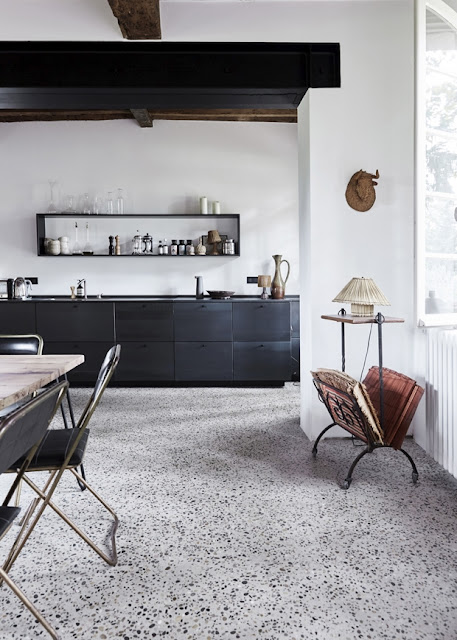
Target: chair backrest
[[104, 376], [24, 427], [29, 344]]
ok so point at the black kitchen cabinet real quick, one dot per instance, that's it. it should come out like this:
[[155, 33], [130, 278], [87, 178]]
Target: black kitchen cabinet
[[261, 361], [147, 321], [203, 321], [17, 317], [203, 361], [75, 321], [261, 321], [94, 354], [169, 340], [144, 362]]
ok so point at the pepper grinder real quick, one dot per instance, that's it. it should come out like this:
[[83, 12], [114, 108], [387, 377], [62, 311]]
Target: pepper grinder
[[111, 246], [118, 247]]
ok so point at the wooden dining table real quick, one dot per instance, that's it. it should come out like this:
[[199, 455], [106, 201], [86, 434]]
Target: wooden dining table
[[22, 375]]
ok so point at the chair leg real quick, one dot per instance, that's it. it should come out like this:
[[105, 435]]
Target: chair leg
[[348, 479], [21, 595], [110, 557], [316, 442]]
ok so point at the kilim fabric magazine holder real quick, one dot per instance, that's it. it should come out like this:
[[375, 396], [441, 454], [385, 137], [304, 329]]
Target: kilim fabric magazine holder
[[355, 407]]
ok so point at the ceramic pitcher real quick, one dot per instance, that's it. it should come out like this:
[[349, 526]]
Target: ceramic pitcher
[[278, 285]]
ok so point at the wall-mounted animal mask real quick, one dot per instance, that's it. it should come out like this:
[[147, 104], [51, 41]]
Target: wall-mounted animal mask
[[360, 193]]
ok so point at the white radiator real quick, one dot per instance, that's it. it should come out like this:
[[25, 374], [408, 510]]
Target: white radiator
[[441, 397]]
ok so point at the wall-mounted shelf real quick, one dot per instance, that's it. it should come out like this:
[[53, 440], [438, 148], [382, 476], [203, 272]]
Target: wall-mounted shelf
[[159, 226]]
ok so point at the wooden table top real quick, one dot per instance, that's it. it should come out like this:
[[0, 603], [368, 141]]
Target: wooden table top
[[22, 375], [360, 319]]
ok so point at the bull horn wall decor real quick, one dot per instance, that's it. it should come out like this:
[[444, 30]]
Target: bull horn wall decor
[[360, 193]]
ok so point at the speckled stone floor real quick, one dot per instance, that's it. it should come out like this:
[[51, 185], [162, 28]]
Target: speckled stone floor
[[230, 529]]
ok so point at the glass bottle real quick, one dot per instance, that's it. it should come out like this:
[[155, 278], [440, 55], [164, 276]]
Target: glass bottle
[[70, 205], [88, 251], [174, 248], [120, 202], [160, 248], [137, 242], [189, 247], [86, 203], [52, 207], [182, 248], [76, 248], [165, 247], [109, 203]]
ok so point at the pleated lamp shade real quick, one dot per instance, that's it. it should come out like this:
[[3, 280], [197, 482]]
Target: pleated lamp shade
[[363, 294]]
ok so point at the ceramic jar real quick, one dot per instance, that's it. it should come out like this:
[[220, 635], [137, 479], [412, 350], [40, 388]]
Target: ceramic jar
[[54, 247], [64, 246]]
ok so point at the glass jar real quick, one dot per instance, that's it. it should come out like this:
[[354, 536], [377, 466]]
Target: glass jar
[[190, 248], [137, 242], [147, 243], [165, 247], [160, 248], [228, 248], [174, 248], [182, 248]]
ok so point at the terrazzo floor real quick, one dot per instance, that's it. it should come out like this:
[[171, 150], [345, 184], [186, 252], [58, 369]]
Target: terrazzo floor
[[230, 529]]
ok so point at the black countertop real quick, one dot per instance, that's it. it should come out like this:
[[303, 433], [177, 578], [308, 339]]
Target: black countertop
[[137, 298]]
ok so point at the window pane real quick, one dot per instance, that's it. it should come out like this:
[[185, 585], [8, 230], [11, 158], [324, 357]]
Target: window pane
[[440, 285], [441, 162]]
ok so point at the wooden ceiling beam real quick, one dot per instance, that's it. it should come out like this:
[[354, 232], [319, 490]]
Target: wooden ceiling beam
[[138, 19], [142, 117], [221, 115]]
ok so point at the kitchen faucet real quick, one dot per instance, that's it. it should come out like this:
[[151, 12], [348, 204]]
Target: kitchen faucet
[[81, 291]]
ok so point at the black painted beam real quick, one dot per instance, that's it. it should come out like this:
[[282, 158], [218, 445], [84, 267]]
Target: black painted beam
[[94, 75]]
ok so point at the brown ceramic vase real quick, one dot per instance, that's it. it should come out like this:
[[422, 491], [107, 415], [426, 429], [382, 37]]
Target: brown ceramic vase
[[278, 285]]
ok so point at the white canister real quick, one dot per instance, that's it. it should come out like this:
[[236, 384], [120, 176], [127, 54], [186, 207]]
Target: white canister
[[216, 207], [204, 205], [64, 246], [54, 247]]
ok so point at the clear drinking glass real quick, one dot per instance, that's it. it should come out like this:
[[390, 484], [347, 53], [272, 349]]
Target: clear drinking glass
[[70, 205], [120, 202], [98, 205], [76, 248], [109, 203], [52, 207]]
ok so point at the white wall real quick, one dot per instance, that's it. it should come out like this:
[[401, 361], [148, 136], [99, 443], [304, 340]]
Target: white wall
[[368, 124], [251, 168]]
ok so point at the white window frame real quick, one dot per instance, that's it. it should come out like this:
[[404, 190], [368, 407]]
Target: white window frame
[[449, 15]]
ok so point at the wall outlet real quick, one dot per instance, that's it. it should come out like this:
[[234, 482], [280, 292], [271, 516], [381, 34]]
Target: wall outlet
[[252, 279], [33, 280]]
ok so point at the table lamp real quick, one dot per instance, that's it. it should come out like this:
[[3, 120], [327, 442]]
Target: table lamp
[[214, 238], [264, 281], [363, 294]]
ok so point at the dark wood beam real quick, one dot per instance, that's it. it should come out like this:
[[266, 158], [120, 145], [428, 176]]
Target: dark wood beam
[[142, 117], [138, 19], [220, 115]]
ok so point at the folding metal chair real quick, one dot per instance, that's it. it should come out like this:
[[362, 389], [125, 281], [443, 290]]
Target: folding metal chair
[[63, 450], [20, 434]]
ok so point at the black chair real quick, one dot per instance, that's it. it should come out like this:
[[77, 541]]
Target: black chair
[[63, 450], [20, 434]]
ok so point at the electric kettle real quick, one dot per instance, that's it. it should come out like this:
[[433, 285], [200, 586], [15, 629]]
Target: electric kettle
[[22, 288]]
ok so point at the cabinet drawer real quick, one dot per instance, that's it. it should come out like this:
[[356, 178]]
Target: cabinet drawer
[[17, 317], [203, 321], [148, 321], [261, 361], [203, 361], [261, 321], [295, 318], [295, 356], [146, 362], [94, 353], [75, 321]]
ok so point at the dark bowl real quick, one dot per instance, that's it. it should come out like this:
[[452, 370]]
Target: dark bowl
[[221, 295]]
